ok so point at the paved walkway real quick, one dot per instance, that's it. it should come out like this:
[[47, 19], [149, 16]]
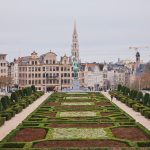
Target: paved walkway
[[15, 121], [136, 115]]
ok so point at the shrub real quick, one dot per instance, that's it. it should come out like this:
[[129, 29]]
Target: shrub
[[21, 93], [127, 91], [25, 92], [7, 115], [29, 91], [11, 111], [146, 99], [1, 106], [4, 102], [14, 97], [143, 144], [130, 103], [13, 145], [147, 114], [24, 105], [33, 88], [119, 87], [17, 108], [137, 107], [143, 110], [2, 120], [139, 96]]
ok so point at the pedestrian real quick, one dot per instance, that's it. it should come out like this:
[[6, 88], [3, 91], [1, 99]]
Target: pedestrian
[[111, 97]]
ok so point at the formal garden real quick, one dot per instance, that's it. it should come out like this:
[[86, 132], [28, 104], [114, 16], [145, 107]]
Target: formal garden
[[20, 99], [76, 121], [132, 98]]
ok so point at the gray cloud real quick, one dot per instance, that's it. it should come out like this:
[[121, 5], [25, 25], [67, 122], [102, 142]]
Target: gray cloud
[[106, 28]]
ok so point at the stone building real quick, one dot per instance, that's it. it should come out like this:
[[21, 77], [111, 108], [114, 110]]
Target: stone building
[[45, 71], [3, 72]]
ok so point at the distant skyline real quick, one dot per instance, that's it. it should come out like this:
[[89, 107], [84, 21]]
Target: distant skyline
[[106, 28]]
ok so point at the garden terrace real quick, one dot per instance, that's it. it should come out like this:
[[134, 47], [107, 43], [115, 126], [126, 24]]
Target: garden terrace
[[20, 99], [77, 120]]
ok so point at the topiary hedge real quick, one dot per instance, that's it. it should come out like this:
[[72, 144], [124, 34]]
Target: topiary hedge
[[13, 105], [147, 114], [2, 120], [137, 105]]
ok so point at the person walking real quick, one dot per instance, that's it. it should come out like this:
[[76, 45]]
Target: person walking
[[111, 97]]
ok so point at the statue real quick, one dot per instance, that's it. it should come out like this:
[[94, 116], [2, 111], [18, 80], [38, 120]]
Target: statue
[[75, 68]]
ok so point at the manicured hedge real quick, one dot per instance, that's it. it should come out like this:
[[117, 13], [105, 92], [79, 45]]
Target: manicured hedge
[[2, 120], [135, 95], [42, 119], [137, 105], [17, 102]]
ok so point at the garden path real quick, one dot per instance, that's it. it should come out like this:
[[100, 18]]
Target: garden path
[[15, 121], [136, 115]]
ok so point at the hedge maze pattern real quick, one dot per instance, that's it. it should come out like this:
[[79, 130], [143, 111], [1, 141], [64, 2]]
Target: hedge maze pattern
[[48, 128]]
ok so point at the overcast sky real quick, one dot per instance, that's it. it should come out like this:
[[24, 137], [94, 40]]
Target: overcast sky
[[106, 28]]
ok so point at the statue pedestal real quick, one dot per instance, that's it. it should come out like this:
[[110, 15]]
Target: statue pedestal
[[76, 84]]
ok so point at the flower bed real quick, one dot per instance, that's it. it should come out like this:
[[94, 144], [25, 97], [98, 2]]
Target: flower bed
[[130, 133], [29, 134], [81, 143], [77, 103], [79, 133], [77, 114], [91, 122]]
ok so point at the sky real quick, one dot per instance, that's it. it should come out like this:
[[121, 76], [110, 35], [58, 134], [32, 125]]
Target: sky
[[106, 28]]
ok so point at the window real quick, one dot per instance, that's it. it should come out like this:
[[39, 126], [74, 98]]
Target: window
[[65, 74], [32, 75], [50, 68], [57, 68], [29, 81], [32, 81], [32, 62], [46, 61], [43, 68]]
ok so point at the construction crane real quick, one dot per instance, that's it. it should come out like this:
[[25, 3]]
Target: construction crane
[[136, 48]]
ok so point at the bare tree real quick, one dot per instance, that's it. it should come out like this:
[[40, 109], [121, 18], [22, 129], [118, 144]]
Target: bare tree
[[5, 82]]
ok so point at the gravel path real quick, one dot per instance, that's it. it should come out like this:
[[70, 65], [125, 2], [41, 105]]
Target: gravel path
[[15, 121], [136, 115]]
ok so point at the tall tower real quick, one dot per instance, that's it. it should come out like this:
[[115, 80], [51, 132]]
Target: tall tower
[[137, 60], [75, 45]]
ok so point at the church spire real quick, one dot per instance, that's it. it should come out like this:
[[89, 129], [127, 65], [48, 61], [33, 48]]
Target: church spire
[[75, 45], [75, 30]]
